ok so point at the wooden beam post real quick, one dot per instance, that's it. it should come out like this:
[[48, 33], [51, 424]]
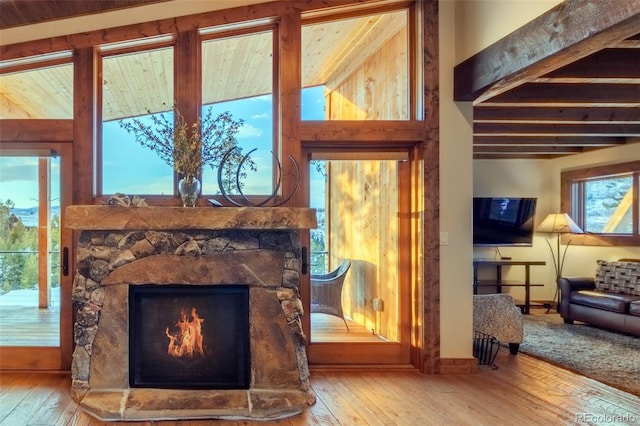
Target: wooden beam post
[[44, 233]]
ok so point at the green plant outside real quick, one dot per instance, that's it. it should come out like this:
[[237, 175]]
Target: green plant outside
[[19, 252]]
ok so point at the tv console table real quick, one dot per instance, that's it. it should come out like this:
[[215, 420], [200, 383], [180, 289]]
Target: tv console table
[[498, 283]]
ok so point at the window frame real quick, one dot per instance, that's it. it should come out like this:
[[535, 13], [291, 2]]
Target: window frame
[[222, 32], [110, 50], [574, 205], [40, 63], [412, 72]]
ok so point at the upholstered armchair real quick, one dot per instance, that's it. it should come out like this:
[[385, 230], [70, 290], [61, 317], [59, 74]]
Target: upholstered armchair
[[497, 315]]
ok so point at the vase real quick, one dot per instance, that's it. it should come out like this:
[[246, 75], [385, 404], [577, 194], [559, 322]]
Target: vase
[[189, 191]]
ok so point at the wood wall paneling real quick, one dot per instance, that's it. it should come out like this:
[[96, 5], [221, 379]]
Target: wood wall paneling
[[85, 127], [289, 87], [364, 228], [431, 192], [26, 130], [384, 77]]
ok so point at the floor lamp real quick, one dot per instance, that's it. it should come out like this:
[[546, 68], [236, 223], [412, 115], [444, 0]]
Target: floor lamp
[[558, 223]]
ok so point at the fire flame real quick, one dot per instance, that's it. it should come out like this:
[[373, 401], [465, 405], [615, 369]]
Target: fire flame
[[188, 339]]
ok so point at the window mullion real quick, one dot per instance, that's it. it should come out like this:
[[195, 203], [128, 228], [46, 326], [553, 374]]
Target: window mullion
[[635, 215]]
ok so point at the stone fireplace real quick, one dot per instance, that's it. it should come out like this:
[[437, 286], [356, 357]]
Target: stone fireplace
[[121, 249]]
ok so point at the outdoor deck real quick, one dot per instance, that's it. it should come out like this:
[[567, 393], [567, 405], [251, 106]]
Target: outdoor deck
[[23, 324]]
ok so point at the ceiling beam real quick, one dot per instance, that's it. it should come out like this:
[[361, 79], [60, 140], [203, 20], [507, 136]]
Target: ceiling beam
[[567, 94], [483, 113], [523, 149], [572, 30], [552, 129], [614, 64], [591, 141], [515, 156]]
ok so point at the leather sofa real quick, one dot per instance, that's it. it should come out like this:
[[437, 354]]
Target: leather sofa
[[609, 300]]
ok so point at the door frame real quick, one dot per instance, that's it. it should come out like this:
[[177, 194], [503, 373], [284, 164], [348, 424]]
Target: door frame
[[361, 354], [49, 358]]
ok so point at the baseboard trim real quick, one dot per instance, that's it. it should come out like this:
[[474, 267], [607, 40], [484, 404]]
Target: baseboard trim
[[362, 367], [458, 365]]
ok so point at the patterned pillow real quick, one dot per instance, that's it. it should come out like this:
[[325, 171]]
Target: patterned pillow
[[618, 277]]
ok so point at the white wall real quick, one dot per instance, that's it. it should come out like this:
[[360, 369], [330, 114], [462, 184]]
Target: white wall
[[456, 193], [466, 27], [520, 178], [541, 179], [480, 23]]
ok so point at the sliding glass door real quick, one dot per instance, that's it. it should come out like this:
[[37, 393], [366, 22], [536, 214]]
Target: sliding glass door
[[359, 292], [32, 328]]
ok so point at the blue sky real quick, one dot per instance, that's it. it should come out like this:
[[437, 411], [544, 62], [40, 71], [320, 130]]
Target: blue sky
[[19, 180], [132, 169]]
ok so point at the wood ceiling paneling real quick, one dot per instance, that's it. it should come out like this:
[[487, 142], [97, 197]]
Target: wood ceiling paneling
[[233, 68], [567, 82], [15, 13]]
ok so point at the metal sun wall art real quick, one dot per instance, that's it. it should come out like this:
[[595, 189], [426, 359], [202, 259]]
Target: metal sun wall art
[[244, 201]]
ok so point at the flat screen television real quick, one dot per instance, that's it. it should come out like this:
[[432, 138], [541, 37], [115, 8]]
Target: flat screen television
[[503, 221]]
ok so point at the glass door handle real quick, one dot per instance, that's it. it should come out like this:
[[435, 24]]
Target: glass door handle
[[65, 261]]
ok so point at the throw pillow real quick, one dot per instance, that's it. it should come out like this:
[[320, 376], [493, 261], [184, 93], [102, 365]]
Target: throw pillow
[[618, 277]]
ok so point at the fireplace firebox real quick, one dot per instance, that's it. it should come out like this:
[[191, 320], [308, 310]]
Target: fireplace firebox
[[189, 337]]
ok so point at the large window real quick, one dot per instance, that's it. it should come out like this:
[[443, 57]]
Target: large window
[[355, 66], [237, 77], [135, 85], [362, 63], [604, 202]]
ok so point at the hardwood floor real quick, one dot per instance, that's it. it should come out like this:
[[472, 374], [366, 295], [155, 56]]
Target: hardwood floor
[[522, 391]]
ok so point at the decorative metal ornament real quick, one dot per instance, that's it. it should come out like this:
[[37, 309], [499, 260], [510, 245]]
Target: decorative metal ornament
[[245, 201]]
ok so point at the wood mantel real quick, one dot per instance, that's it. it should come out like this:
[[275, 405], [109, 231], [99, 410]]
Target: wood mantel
[[92, 217]]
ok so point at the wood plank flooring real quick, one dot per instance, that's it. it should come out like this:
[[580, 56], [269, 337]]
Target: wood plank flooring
[[329, 328], [22, 323], [522, 391]]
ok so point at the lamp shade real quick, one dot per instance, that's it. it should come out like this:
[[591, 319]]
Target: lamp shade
[[559, 223]]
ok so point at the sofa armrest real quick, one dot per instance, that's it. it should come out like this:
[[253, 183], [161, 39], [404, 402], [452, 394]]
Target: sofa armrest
[[569, 284]]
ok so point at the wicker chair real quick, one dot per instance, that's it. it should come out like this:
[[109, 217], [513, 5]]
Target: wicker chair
[[497, 315], [326, 291]]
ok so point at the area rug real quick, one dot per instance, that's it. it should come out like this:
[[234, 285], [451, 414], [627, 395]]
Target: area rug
[[608, 357]]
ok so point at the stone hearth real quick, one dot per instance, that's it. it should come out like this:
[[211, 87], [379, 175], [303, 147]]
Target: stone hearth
[[120, 247]]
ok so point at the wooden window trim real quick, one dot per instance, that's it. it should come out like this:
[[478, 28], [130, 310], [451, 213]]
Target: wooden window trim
[[33, 63], [568, 200]]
